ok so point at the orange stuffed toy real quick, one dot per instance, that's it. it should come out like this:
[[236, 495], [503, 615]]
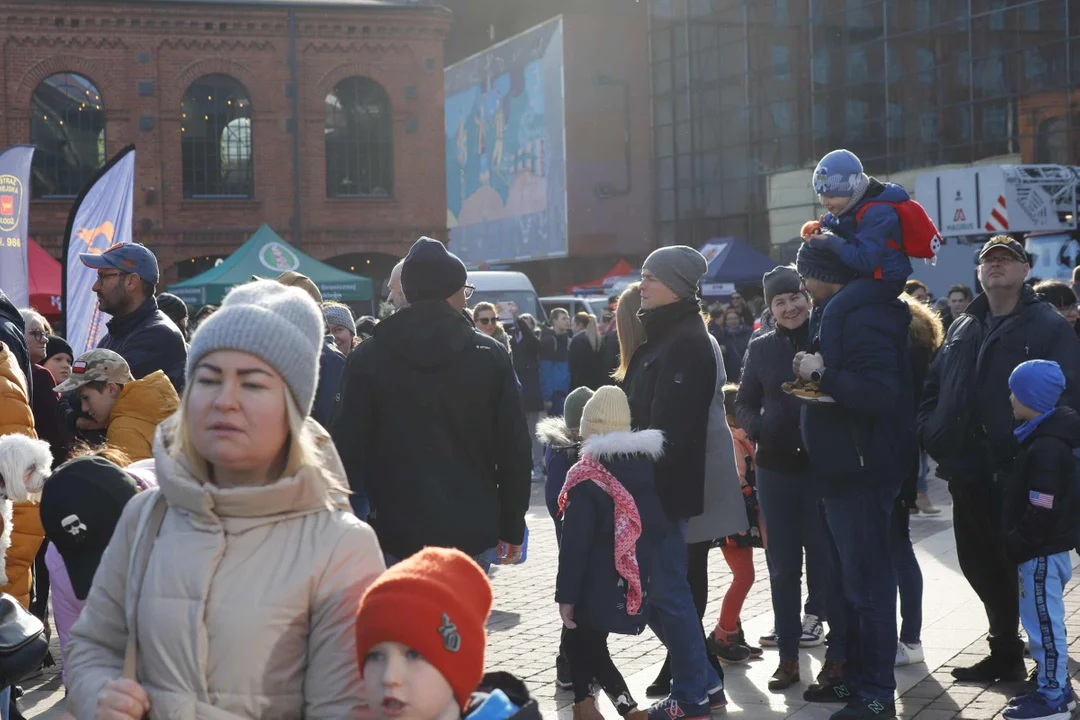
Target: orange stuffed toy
[[810, 228]]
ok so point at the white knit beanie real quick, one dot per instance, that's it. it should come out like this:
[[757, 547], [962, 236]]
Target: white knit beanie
[[278, 324], [606, 412]]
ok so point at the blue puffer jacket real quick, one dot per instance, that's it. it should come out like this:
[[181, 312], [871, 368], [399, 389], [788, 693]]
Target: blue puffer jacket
[[149, 341], [868, 435], [863, 246], [555, 370], [587, 577]]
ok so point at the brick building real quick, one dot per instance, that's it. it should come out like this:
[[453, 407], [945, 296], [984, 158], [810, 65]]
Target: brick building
[[205, 92]]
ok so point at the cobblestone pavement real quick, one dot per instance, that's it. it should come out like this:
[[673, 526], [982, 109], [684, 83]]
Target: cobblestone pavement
[[524, 636]]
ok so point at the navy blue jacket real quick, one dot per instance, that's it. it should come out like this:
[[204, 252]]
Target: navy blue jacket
[[149, 341], [734, 343], [331, 365], [966, 419], [1046, 465], [587, 577], [868, 434], [770, 416], [863, 246], [560, 454]]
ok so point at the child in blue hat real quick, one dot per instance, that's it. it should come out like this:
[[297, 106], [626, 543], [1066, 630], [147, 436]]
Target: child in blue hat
[[1040, 530]]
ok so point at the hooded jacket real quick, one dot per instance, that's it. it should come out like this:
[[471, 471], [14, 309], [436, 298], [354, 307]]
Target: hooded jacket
[[587, 576], [560, 453], [966, 420], [864, 246], [140, 407], [15, 413], [925, 336], [1046, 465], [430, 426], [868, 434], [148, 340], [247, 606]]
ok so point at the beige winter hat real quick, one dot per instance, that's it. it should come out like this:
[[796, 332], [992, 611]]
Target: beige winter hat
[[606, 412]]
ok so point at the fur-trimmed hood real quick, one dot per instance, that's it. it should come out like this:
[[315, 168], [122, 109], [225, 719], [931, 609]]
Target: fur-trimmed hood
[[553, 431], [926, 329], [612, 445]]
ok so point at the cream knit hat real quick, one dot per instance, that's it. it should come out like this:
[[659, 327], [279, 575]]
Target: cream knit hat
[[606, 412]]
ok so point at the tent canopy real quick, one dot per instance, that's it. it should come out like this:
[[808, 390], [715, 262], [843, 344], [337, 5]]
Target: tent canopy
[[731, 262], [265, 254], [45, 282], [621, 268]]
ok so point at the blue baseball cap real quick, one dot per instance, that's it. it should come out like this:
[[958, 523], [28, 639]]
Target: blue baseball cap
[[126, 257]]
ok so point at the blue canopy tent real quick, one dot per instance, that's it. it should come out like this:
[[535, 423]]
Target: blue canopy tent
[[731, 262]]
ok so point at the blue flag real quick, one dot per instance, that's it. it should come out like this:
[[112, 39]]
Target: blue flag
[[100, 218], [14, 218]]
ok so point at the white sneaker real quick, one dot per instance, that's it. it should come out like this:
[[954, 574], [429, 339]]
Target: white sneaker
[[813, 632], [908, 654]]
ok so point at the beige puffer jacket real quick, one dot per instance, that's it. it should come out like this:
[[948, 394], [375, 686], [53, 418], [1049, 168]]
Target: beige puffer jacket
[[249, 602]]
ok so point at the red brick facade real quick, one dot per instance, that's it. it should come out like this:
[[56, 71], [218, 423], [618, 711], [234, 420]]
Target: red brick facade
[[119, 46]]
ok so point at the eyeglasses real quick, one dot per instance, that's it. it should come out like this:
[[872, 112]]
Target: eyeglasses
[[485, 321], [469, 290], [102, 276], [39, 334]]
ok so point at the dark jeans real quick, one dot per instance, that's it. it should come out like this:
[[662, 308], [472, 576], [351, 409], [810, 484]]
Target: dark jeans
[[908, 576], [860, 527], [675, 621], [587, 651], [793, 521], [980, 548]]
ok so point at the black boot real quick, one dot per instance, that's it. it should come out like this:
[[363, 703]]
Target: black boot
[[990, 669], [661, 686]]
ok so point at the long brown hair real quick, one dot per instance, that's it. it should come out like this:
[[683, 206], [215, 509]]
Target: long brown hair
[[588, 323], [629, 328]]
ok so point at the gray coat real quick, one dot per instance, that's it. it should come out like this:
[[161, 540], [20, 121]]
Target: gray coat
[[725, 509]]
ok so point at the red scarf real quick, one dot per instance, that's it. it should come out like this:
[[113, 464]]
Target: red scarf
[[627, 523]]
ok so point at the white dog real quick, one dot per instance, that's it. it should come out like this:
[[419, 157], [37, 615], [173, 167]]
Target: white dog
[[25, 463]]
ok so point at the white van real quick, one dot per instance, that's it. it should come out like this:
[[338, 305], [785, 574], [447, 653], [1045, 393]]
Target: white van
[[506, 287], [595, 305]]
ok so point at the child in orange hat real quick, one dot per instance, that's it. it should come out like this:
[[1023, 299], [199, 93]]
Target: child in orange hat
[[420, 640]]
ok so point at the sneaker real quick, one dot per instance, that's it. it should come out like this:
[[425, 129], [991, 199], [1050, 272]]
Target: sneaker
[[1070, 699], [813, 632], [1036, 706], [908, 654], [866, 709], [989, 670], [562, 674], [829, 686], [623, 701], [755, 652], [725, 648], [926, 506], [717, 697], [768, 639], [671, 709]]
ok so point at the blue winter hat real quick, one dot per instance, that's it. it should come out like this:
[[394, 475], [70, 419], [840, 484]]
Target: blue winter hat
[[822, 264], [839, 174], [1038, 384]]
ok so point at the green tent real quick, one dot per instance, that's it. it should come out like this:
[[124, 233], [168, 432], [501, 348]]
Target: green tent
[[265, 254]]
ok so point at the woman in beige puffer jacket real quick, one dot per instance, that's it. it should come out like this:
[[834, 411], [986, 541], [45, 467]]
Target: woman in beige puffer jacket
[[248, 604]]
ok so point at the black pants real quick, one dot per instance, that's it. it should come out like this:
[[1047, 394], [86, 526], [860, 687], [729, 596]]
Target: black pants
[[980, 548], [589, 658], [39, 605], [697, 574]]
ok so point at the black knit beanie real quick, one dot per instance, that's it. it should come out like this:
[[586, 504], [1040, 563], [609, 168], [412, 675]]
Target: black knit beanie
[[431, 272], [823, 265]]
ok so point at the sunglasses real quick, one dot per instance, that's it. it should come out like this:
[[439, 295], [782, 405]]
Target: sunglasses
[[485, 321]]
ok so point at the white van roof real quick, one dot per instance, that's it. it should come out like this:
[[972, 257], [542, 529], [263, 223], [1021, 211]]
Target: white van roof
[[494, 280]]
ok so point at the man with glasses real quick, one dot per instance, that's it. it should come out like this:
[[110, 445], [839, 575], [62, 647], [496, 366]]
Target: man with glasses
[[429, 424], [138, 331], [966, 424]]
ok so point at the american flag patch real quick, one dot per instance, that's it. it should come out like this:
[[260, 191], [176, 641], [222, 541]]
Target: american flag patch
[[1043, 500]]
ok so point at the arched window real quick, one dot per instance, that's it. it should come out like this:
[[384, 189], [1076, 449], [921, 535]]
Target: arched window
[[215, 139], [359, 141], [67, 125]]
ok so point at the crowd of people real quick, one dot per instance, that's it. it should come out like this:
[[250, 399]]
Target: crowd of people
[[273, 508]]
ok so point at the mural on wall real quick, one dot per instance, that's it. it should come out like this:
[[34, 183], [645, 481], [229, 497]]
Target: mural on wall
[[505, 150]]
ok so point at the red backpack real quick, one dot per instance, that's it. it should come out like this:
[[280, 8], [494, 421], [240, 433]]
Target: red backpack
[[920, 238]]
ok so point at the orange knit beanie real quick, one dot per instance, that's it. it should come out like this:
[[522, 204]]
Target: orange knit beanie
[[435, 602]]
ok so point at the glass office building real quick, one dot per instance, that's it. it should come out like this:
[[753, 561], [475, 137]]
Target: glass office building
[[746, 90]]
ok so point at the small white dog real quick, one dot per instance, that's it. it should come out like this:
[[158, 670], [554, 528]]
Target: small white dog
[[25, 464]]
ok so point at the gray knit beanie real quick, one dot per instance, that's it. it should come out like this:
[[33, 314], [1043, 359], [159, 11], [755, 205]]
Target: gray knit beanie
[[679, 267], [278, 324], [339, 315], [780, 281]]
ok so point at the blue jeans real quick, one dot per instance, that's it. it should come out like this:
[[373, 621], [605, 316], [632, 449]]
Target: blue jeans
[[1042, 611], [922, 483], [860, 526], [485, 559], [5, 703], [908, 577], [361, 506], [675, 621], [793, 521]]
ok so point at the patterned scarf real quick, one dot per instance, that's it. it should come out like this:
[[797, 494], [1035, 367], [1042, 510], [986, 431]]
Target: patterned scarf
[[627, 523]]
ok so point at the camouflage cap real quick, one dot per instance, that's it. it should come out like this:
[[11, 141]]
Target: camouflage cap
[[98, 365]]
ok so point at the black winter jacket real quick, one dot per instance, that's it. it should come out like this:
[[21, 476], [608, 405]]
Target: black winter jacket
[[670, 384], [430, 426], [966, 420], [770, 416], [734, 344], [331, 365], [587, 576], [525, 346], [13, 334], [586, 364], [1045, 465], [149, 341]]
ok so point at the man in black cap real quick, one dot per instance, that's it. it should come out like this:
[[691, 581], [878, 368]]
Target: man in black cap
[[429, 423], [966, 424]]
